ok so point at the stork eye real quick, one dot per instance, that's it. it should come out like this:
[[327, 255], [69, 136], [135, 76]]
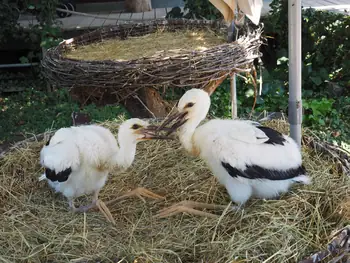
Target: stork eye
[[189, 105], [135, 126]]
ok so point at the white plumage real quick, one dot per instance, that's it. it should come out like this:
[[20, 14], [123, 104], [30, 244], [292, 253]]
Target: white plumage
[[77, 160], [247, 158]]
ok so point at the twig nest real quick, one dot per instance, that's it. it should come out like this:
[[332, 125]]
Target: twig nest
[[180, 68]]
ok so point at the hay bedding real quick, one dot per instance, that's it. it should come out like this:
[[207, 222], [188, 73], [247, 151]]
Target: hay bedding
[[36, 225], [147, 45]]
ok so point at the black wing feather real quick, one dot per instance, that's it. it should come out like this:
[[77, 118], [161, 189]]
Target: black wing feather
[[59, 177], [274, 136], [258, 172]]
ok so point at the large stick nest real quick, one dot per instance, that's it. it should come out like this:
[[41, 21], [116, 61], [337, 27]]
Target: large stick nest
[[36, 225], [182, 68]]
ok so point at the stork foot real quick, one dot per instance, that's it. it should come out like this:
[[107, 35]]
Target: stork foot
[[95, 203], [189, 207], [139, 192], [84, 208], [105, 211]]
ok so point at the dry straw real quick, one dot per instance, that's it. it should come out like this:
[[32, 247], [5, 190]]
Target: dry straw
[[36, 225], [148, 45], [184, 67]]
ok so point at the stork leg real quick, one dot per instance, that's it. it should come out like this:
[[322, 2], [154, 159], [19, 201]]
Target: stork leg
[[80, 208], [189, 207], [95, 203], [139, 192], [85, 208]]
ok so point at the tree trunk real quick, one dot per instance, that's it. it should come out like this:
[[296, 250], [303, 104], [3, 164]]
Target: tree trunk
[[137, 6], [147, 104]]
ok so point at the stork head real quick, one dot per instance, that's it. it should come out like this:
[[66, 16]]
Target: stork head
[[135, 130], [192, 107]]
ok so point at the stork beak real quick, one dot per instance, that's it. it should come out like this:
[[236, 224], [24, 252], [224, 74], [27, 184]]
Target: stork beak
[[151, 132], [180, 120]]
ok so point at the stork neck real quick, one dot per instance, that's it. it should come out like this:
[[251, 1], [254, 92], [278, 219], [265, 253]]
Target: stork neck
[[126, 153], [186, 133]]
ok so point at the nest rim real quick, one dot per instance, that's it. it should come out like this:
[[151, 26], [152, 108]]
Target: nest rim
[[194, 69]]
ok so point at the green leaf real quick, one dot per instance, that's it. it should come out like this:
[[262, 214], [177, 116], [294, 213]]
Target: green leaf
[[316, 80], [321, 122], [24, 60], [323, 74]]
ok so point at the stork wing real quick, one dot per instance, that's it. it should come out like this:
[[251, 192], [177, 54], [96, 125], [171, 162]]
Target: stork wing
[[258, 172], [248, 132], [244, 131], [248, 150]]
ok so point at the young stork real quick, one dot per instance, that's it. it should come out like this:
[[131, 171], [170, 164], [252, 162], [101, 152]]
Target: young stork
[[77, 160], [247, 158]]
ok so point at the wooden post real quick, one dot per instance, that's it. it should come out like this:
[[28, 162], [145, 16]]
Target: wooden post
[[137, 6]]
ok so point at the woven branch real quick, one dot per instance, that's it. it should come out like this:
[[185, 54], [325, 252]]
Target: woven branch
[[338, 250], [183, 68], [339, 155]]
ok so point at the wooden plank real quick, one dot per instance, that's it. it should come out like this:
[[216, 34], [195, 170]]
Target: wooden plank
[[84, 22], [114, 19], [98, 22], [160, 13], [71, 22], [125, 17], [148, 15], [137, 16]]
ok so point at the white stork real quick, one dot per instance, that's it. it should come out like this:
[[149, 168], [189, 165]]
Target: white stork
[[247, 158], [77, 160]]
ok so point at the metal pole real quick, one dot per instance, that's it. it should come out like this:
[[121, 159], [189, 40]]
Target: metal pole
[[19, 65], [233, 96], [294, 39], [232, 36]]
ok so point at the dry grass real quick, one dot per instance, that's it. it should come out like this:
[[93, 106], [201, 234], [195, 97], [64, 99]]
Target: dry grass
[[147, 45], [36, 225]]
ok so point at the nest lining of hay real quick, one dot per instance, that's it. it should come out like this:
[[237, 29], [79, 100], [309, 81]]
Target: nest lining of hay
[[37, 226], [184, 68], [169, 43]]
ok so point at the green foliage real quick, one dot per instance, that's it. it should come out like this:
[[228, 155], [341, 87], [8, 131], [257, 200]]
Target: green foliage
[[35, 111], [48, 27], [45, 34], [325, 69], [325, 45], [201, 9], [8, 22], [318, 110]]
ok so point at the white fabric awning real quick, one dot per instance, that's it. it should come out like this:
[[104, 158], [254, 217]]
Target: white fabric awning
[[251, 8]]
